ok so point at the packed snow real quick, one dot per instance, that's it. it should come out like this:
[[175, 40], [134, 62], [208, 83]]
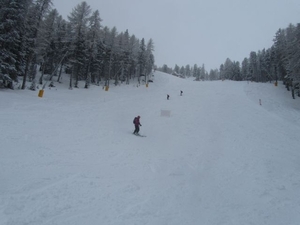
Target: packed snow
[[223, 153]]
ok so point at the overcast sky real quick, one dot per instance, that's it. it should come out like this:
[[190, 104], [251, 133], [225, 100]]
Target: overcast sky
[[196, 31]]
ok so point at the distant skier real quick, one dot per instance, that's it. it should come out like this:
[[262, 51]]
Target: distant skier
[[168, 96], [181, 92], [137, 124]]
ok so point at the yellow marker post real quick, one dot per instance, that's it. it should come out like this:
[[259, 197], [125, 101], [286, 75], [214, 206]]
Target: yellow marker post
[[41, 93]]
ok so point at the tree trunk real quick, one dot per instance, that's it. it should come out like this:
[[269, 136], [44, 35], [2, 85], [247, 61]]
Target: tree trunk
[[60, 70], [25, 73], [42, 75], [71, 78]]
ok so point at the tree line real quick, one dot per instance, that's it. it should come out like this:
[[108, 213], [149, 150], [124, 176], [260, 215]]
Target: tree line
[[279, 62], [34, 36]]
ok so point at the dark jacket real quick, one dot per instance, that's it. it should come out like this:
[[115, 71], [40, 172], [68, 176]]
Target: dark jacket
[[137, 121]]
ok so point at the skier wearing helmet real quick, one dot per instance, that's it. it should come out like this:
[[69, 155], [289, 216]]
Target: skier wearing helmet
[[137, 125]]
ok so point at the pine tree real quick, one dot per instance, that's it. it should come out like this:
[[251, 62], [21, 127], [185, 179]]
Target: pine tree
[[253, 66], [126, 57], [176, 69], [245, 69], [165, 68], [12, 16], [79, 18], [236, 71], [293, 52], [228, 69], [105, 56], [134, 45], [187, 70], [37, 13], [63, 43], [280, 57], [111, 51], [149, 59], [182, 71], [295, 58], [142, 58], [273, 66], [98, 64], [93, 37], [119, 58], [213, 74], [195, 72], [47, 46], [202, 72], [222, 72], [267, 65]]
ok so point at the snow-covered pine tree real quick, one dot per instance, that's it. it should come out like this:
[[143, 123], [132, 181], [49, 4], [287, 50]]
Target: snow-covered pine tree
[[47, 46], [236, 71], [118, 58], [12, 16], [111, 50], [253, 66], [228, 68], [266, 65], [37, 14], [222, 77], [202, 72], [213, 74], [93, 39], [280, 57], [121, 56], [149, 59], [78, 19], [104, 54], [291, 51], [142, 59], [260, 65], [198, 72], [182, 70], [245, 69], [176, 69], [62, 42], [98, 63], [273, 67], [187, 70], [134, 44], [126, 57], [296, 56], [195, 70]]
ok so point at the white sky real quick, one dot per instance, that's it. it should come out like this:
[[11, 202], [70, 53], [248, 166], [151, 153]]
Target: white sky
[[196, 31]]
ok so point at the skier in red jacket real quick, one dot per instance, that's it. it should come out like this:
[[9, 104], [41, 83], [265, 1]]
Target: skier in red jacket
[[137, 125]]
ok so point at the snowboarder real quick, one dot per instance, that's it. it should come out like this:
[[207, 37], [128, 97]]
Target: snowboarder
[[137, 125], [181, 93], [168, 96]]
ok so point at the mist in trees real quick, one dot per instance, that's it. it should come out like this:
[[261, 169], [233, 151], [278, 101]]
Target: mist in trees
[[34, 36], [280, 62]]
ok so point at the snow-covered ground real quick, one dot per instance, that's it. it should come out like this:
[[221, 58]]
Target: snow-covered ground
[[220, 158]]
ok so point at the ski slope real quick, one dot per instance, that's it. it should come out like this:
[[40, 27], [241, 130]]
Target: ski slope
[[218, 158]]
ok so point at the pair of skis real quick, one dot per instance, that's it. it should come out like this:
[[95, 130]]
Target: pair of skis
[[139, 135]]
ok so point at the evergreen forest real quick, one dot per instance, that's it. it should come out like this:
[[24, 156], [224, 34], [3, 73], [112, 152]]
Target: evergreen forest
[[34, 36]]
